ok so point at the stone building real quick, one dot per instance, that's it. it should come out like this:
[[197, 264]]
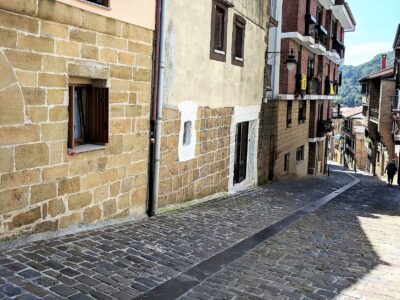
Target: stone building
[[74, 112], [300, 98], [381, 110], [212, 95]]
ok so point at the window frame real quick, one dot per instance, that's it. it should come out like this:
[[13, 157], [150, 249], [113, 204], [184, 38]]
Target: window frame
[[216, 54], [302, 114], [106, 3], [238, 21], [300, 154], [286, 162], [96, 131]]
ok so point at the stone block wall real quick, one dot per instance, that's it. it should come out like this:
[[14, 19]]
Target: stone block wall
[[43, 44], [289, 139], [208, 172], [268, 128]]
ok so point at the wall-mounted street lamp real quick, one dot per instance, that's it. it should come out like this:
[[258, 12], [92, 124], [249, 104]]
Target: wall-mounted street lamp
[[290, 62]]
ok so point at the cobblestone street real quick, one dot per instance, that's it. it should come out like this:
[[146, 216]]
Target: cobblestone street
[[346, 249]]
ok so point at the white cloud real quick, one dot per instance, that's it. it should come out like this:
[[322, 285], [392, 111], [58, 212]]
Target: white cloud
[[362, 53]]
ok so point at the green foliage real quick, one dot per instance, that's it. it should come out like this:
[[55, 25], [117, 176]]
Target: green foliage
[[350, 91]]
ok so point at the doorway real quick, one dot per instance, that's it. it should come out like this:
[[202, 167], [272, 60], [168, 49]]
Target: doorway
[[241, 149]]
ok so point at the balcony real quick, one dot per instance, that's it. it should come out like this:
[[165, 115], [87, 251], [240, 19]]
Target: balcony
[[321, 35], [338, 47], [346, 130], [331, 87], [312, 86], [374, 115], [342, 12]]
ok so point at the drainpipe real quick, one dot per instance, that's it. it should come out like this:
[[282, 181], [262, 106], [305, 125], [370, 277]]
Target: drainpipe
[[158, 95]]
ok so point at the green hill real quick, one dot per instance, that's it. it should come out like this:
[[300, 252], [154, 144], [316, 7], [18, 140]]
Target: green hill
[[350, 91]]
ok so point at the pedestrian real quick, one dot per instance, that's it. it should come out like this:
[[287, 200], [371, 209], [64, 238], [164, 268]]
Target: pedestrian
[[391, 170]]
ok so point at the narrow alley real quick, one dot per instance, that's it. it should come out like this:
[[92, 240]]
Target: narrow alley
[[271, 242]]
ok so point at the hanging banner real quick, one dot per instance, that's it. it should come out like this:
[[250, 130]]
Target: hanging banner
[[303, 82], [332, 90]]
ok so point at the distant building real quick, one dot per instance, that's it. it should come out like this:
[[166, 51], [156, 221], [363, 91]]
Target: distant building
[[295, 119], [381, 112]]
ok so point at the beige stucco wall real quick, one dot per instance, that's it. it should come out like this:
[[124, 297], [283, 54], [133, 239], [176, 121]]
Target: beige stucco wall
[[123, 10], [192, 75]]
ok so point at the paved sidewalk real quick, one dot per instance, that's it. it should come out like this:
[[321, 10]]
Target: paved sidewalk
[[124, 261]]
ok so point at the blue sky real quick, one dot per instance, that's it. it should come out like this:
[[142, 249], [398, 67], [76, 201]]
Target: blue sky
[[377, 23]]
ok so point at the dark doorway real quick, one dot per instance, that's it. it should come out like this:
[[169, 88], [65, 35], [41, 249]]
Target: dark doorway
[[242, 141], [272, 150]]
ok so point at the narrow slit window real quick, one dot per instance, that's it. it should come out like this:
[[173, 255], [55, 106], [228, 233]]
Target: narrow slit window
[[289, 114], [187, 133], [286, 162]]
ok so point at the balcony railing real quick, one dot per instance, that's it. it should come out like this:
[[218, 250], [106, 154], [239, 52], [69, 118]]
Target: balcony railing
[[338, 47], [321, 35], [312, 86], [346, 130], [374, 114]]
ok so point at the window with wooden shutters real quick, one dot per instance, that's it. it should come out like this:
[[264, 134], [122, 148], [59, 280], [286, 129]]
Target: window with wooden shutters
[[88, 115], [239, 28], [219, 22]]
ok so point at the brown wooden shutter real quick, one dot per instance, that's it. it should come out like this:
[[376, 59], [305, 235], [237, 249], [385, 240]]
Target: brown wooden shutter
[[97, 115], [219, 29], [71, 117]]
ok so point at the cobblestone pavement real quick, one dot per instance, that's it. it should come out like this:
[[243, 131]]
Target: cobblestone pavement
[[126, 260], [349, 249]]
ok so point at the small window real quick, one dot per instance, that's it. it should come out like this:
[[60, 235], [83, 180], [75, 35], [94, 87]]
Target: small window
[[300, 153], [100, 2], [219, 22], [286, 162], [88, 115], [289, 114], [310, 68], [319, 15], [302, 111], [187, 133], [239, 26]]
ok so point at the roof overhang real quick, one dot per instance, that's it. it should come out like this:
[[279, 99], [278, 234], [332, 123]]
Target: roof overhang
[[327, 3], [396, 44], [344, 15]]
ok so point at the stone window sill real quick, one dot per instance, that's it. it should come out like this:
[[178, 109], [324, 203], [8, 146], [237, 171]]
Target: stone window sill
[[85, 148]]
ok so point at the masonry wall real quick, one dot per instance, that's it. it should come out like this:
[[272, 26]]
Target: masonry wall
[[208, 172], [387, 91], [42, 45], [289, 139], [268, 129]]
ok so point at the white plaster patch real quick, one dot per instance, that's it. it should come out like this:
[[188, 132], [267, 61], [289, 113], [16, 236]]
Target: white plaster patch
[[245, 114], [187, 147]]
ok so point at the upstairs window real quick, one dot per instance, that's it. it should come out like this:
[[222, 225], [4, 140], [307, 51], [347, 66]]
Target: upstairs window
[[88, 115], [319, 15], [268, 81], [310, 67], [219, 22], [105, 3], [289, 114], [239, 26]]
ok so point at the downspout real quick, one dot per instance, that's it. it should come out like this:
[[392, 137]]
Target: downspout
[[158, 95]]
